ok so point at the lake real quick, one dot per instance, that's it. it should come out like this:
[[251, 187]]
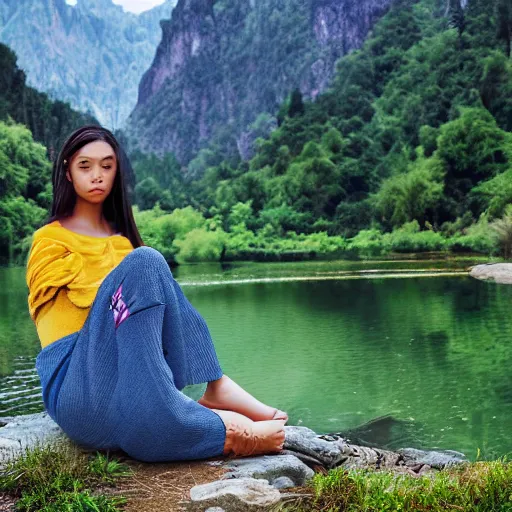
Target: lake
[[336, 344]]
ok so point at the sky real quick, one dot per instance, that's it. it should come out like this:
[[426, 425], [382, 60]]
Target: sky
[[136, 6]]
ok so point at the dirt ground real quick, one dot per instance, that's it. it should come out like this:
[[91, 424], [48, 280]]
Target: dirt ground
[[157, 486], [154, 486]]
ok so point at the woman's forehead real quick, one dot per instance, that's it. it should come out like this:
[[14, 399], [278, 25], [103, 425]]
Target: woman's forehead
[[97, 150]]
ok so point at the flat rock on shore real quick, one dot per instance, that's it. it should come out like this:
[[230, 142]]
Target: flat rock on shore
[[497, 272]]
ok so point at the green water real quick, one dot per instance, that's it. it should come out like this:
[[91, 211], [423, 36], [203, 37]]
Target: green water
[[336, 344]]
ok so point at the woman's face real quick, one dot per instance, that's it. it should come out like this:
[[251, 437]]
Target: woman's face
[[93, 166]]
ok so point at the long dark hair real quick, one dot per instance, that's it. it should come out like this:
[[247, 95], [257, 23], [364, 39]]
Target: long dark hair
[[117, 208]]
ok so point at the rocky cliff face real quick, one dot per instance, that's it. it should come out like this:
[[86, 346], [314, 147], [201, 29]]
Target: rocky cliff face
[[338, 28], [222, 62], [92, 54]]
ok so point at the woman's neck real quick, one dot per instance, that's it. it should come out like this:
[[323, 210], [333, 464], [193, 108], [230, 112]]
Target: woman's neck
[[88, 218], [85, 227]]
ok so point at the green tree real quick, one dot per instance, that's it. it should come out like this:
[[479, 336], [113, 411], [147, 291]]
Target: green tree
[[241, 213], [495, 87], [472, 149], [147, 193], [456, 16], [296, 105], [495, 194], [503, 12], [411, 196], [24, 177]]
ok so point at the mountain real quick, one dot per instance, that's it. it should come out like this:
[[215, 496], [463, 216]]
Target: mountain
[[50, 121], [221, 63], [91, 55]]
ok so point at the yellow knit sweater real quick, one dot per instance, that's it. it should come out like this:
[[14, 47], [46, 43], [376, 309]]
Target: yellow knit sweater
[[64, 272]]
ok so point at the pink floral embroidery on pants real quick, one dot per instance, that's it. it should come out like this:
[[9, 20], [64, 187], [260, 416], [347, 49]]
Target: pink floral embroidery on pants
[[120, 309]]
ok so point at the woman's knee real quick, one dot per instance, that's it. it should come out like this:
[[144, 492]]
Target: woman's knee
[[136, 283], [146, 259]]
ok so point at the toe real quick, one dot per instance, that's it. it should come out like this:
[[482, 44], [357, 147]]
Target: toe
[[280, 415]]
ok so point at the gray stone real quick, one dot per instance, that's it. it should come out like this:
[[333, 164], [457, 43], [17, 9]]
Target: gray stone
[[18, 433], [305, 441], [282, 482], [214, 509], [436, 459], [333, 450], [497, 272], [270, 467], [236, 495], [364, 457]]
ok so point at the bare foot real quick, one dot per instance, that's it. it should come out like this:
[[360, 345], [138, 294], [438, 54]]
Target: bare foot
[[245, 437], [226, 394], [270, 436]]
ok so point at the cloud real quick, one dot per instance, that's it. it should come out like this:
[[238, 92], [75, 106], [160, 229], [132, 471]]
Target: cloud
[[136, 6]]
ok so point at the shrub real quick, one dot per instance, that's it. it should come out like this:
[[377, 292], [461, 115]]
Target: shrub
[[409, 238], [368, 243]]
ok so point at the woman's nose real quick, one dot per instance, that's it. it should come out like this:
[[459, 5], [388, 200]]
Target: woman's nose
[[96, 173]]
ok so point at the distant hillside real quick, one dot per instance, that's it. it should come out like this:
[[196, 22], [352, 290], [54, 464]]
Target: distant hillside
[[92, 55], [222, 63], [50, 122]]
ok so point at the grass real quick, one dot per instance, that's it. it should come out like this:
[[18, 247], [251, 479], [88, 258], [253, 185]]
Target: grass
[[480, 486], [58, 476]]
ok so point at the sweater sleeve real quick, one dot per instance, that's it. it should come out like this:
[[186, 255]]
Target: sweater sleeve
[[50, 266]]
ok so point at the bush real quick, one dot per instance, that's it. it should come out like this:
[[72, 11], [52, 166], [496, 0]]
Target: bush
[[471, 243], [323, 243], [476, 238], [409, 238], [368, 243], [199, 245], [502, 229]]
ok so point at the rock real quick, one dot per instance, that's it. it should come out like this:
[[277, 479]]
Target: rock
[[25, 431], [435, 459], [364, 457], [305, 441], [271, 468], [497, 272], [332, 450], [282, 482], [214, 509], [236, 495]]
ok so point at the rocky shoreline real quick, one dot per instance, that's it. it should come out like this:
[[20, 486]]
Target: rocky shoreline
[[254, 483]]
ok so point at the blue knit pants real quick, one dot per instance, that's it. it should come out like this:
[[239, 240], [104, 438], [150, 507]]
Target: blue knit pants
[[117, 382]]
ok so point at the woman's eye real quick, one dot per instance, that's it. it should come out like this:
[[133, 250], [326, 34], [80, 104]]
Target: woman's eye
[[108, 167]]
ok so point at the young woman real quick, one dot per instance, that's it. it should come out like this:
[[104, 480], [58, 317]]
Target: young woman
[[119, 338]]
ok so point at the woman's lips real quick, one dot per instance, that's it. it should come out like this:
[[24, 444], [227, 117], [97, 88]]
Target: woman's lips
[[96, 191]]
